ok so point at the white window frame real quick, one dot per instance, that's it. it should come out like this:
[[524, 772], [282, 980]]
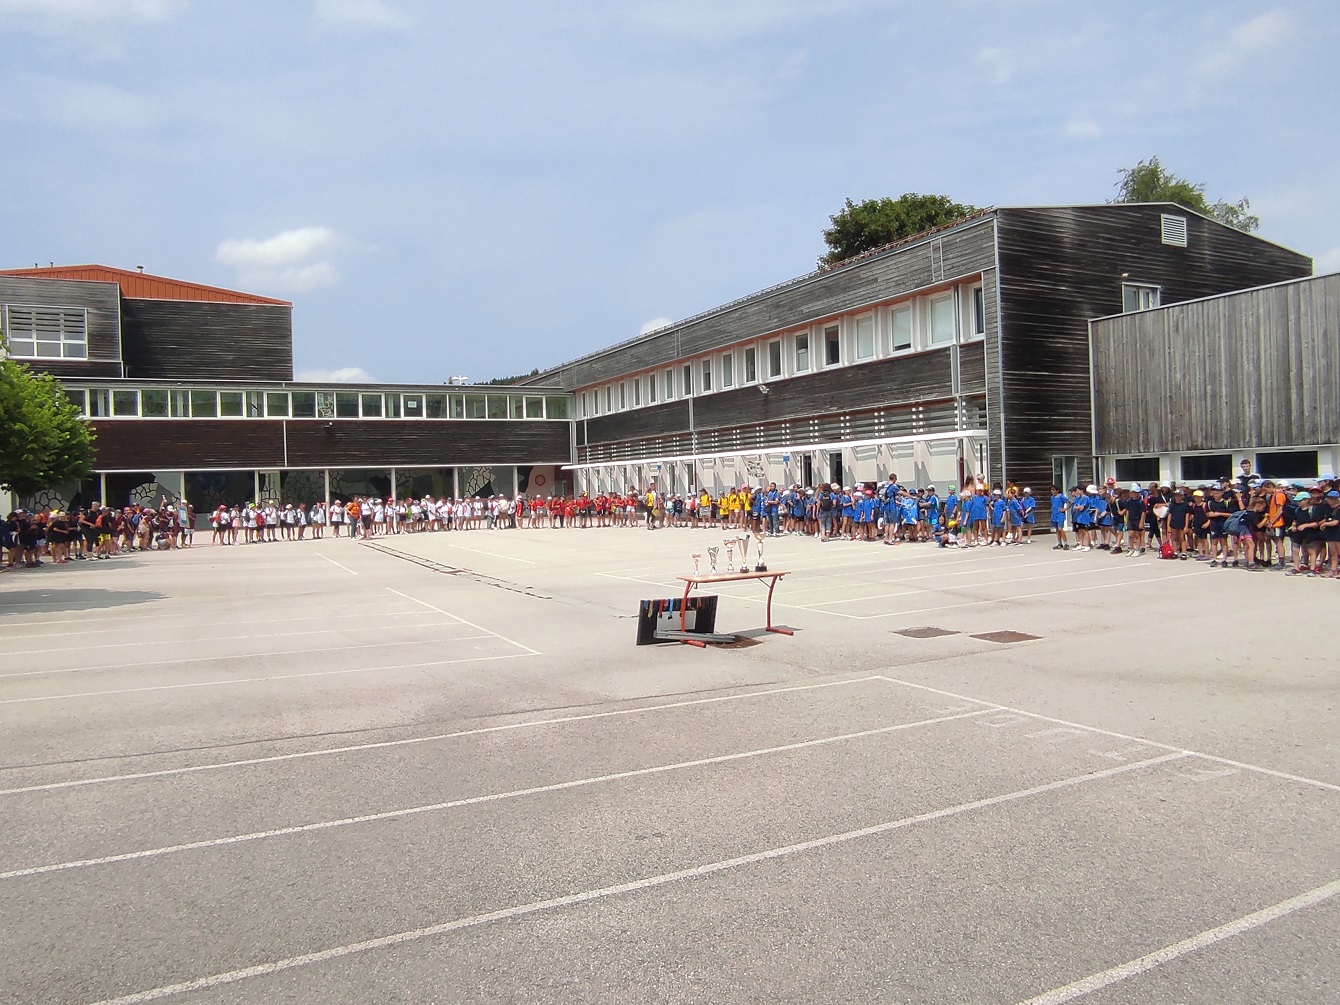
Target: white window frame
[[976, 299], [705, 375], [670, 383], [931, 304], [686, 378], [1141, 291], [70, 331], [637, 392], [727, 370], [835, 330], [801, 343], [869, 320], [623, 395], [652, 380], [750, 362], [909, 311], [776, 344]]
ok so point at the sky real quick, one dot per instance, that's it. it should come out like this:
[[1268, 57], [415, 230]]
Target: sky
[[454, 189]]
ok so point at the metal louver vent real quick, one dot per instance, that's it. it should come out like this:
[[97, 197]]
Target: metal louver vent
[[1174, 230]]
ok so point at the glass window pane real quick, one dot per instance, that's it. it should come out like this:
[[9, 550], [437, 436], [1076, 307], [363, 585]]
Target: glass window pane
[[516, 406], [230, 402], [458, 406], [833, 339], [750, 365], [372, 406], [79, 398], [535, 408], [435, 406], [76, 350], [686, 382], [24, 348], [669, 384], [325, 404], [48, 350], [558, 406], [497, 406], [865, 338], [98, 405], [304, 404], [623, 395], [126, 403], [902, 329], [474, 406], [978, 311], [204, 404], [775, 359], [276, 403], [802, 353], [707, 375], [346, 405], [942, 320], [727, 370], [180, 402], [652, 381], [414, 406], [392, 405]]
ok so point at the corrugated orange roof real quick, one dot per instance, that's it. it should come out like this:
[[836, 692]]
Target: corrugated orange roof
[[137, 285]]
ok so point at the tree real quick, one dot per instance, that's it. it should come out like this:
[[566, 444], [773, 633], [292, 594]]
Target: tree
[[44, 442], [874, 223], [1150, 181]]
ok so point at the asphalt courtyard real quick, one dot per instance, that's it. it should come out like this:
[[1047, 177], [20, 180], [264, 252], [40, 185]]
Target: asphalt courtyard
[[437, 769]]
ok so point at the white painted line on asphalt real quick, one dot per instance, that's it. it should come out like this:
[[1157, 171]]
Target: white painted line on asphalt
[[528, 724], [533, 652], [262, 680], [249, 656], [587, 896], [477, 551], [1106, 978], [1121, 736], [335, 563], [338, 627], [493, 797], [151, 622]]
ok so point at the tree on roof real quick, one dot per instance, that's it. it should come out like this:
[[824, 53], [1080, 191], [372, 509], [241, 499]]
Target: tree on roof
[[1150, 181], [44, 442], [873, 223]]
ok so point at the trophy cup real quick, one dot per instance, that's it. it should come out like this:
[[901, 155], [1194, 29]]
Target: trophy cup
[[743, 542], [758, 539], [696, 560], [730, 556], [712, 558]]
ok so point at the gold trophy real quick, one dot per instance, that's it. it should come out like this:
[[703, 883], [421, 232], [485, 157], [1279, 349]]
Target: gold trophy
[[696, 560], [758, 539], [730, 556], [712, 558]]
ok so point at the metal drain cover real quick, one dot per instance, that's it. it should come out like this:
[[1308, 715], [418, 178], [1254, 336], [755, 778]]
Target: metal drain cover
[[1004, 637], [924, 633]]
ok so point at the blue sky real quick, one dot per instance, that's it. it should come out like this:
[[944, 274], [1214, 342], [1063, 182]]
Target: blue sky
[[477, 189]]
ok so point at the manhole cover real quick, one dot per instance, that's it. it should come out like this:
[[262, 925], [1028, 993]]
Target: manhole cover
[[1006, 637], [924, 633]]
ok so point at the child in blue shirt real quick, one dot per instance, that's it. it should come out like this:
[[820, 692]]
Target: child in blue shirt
[[998, 513], [1060, 505], [1015, 508], [1030, 506]]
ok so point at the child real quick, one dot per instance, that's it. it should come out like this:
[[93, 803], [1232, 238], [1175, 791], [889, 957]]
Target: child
[[998, 515], [1059, 507], [1030, 508]]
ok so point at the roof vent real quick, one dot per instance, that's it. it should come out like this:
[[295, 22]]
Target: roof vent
[[1174, 230]]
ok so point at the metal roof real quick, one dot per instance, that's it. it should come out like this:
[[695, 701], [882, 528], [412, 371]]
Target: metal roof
[[137, 285]]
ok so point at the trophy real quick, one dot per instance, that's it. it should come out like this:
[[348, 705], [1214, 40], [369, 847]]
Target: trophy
[[730, 556], [712, 559], [743, 542], [758, 539], [696, 560]]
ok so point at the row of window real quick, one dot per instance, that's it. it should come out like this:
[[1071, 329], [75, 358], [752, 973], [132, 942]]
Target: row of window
[[46, 332], [1209, 467], [913, 326], [204, 403]]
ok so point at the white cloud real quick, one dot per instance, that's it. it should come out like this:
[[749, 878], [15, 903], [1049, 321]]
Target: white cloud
[[997, 63], [1327, 261], [655, 324], [68, 12], [1261, 32], [362, 14], [1083, 129], [282, 262], [344, 375]]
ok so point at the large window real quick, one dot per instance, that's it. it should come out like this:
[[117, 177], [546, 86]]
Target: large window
[[637, 391], [1207, 467], [1137, 469], [1137, 297], [276, 404], [205, 404], [687, 381], [802, 353], [750, 364], [901, 322], [978, 312], [651, 388], [775, 359], [623, 395], [154, 404], [832, 346], [865, 337], [558, 406], [372, 406], [1287, 464], [46, 332], [728, 370], [707, 375], [230, 403], [304, 404], [126, 403], [669, 385], [942, 320]]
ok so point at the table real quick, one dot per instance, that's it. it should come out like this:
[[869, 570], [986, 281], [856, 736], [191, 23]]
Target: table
[[690, 582]]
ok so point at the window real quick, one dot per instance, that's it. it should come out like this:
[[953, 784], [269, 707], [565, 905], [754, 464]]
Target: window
[[204, 404], [1207, 467], [474, 407], [47, 332], [833, 346], [558, 406], [230, 403], [392, 406], [707, 375], [1137, 469], [153, 404], [802, 353], [901, 324], [669, 385], [497, 406], [435, 406], [516, 406], [325, 404], [256, 405], [1287, 464], [276, 404], [1173, 230], [978, 312], [865, 338], [98, 405], [414, 406], [346, 405], [637, 391], [304, 404], [942, 320], [623, 396], [78, 398], [750, 364], [651, 388], [1135, 297], [728, 370], [775, 359], [607, 398], [686, 380], [126, 403], [535, 408]]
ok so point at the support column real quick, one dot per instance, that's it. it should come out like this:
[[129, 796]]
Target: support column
[[394, 493], [102, 487], [256, 487], [325, 477]]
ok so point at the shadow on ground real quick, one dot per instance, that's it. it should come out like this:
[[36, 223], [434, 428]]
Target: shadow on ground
[[16, 602]]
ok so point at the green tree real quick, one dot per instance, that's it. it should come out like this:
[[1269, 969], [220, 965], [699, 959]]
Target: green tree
[[44, 442], [1150, 181], [873, 223]]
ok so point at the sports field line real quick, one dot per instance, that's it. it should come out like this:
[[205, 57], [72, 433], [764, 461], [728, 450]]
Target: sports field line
[[136, 625], [492, 797], [1148, 962], [338, 565], [379, 745], [634, 886], [461, 547], [1121, 736], [263, 680], [533, 652]]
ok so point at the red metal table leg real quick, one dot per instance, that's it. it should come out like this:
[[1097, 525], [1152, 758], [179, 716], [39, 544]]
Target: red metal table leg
[[684, 618], [772, 585]]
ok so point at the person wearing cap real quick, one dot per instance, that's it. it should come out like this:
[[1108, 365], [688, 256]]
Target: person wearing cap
[[1060, 506], [1029, 505], [999, 511], [1222, 545]]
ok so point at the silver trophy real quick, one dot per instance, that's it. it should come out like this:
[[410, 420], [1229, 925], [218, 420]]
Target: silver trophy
[[758, 540], [743, 542], [730, 556], [712, 560], [696, 568]]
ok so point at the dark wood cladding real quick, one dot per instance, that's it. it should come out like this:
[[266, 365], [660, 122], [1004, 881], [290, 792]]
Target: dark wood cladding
[[1256, 369], [972, 366], [101, 301], [205, 444], [1059, 267], [899, 381], [963, 251], [425, 443], [194, 340]]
